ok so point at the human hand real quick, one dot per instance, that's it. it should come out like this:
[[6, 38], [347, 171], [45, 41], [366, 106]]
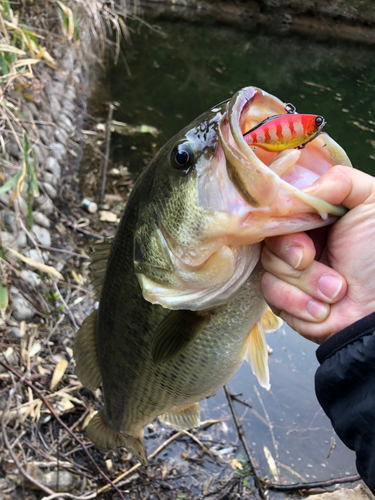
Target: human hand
[[318, 298]]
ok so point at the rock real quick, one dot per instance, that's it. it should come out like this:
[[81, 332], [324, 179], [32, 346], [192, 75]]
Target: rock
[[8, 240], [52, 165], [32, 278], [42, 235], [65, 123], [34, 110], [50, 190], [61, 136], [15, 332], [358, 493], [23, 310], [10, 222], [22, 204], [45, 204], [50, 178], [40, 219], [55, 104], [5, 198], [58, 151], [22, 239], [40, 153], [13, 150], [34, 254]]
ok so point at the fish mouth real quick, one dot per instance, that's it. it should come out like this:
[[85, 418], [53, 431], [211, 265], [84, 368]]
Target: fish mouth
[[271, 182]]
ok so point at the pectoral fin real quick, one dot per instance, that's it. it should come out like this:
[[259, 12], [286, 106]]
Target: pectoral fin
[[175, 333], [270, 322], [184, 418], [257, 355]]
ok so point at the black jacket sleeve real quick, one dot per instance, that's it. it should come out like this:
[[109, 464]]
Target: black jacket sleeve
[[345, 388]]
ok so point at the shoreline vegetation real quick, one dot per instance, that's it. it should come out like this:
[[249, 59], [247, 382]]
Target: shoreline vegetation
[[51, 53]]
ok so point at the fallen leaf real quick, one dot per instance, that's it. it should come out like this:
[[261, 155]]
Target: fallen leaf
[[58, 373], [37, 265], [106, 216], [236, 464], [271, 463]]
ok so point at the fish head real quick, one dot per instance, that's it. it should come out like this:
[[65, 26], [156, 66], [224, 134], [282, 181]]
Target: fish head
[[214, 198]]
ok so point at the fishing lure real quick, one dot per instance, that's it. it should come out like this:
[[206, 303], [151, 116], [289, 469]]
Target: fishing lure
[[280, 132]]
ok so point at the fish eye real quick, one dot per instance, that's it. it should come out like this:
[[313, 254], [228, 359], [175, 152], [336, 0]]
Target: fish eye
[[319, 120], [182, 157]]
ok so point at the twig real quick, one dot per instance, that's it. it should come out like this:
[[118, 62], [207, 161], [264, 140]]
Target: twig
[[269, 423], [241, 435], [62, 250], [194, 438], [135, 467], [70, 314], [82, 231], [107, 144], [315, 484], [76, 438], [6, 441]]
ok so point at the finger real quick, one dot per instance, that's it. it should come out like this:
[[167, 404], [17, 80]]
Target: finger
[[344, 185], [296, 249], [292, 300], [317, 280]]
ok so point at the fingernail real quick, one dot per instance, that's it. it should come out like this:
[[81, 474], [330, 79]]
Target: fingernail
[[317, 310], [294, 256], [313, 187], [330, 286]]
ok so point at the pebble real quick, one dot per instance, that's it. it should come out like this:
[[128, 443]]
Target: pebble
[[52, 165], [8, 240], [65, 123], [50, 190], [23, 310], [34, 255], [55, 105], [13, 150], [22, 239], [10, 222], [41, 220], [42, 235], [58, 151], [32, 278], [61, 136], [45, 205], [50, 178]]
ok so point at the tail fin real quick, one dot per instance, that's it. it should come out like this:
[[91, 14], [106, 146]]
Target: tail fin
[[104, 436]]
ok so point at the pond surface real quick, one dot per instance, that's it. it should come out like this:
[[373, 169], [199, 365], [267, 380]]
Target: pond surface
[[173, 73]]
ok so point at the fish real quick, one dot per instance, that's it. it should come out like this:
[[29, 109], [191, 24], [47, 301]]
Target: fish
[[179, 287], [290, 130]]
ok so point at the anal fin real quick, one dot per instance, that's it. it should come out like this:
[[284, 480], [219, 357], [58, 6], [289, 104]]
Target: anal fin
[[184, 418], [85, 353], [270, 322], [257, 355], [104, 436]]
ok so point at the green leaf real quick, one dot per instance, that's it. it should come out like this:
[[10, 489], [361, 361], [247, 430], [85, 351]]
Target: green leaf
[[4, 297], [10, 183]]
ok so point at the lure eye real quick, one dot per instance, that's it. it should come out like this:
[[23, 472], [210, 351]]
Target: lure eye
[[319, 120], [182, 157]]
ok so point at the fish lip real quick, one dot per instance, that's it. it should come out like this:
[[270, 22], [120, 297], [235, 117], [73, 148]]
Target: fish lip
[[237, 110]]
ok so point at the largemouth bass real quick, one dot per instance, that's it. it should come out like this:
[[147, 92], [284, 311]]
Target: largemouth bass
[[181, 305]]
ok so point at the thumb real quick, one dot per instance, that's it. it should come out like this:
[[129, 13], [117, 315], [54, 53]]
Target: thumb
[[344, 185]]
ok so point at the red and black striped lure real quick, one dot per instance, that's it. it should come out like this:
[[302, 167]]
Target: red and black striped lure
[[280, 132]]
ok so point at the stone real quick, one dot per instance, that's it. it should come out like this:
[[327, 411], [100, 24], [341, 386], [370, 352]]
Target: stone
[[22, 204], [65, 123], [10, 222], [34, 110], [9, 240], [45, 204], [33, 279], [52, 165], [22, 239], [58, 151], [50, 178], [5, 198], [34, 255], [42, 235], [41, 220], [61, 136], [50, 190], [55, 104], [23, 310], [359, 493], [40, 153], [13, 150]]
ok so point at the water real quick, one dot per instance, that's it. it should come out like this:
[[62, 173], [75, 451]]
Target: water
[[180, 70]]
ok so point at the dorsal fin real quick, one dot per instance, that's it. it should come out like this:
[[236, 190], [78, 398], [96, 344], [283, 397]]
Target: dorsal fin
[[98, 266]]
